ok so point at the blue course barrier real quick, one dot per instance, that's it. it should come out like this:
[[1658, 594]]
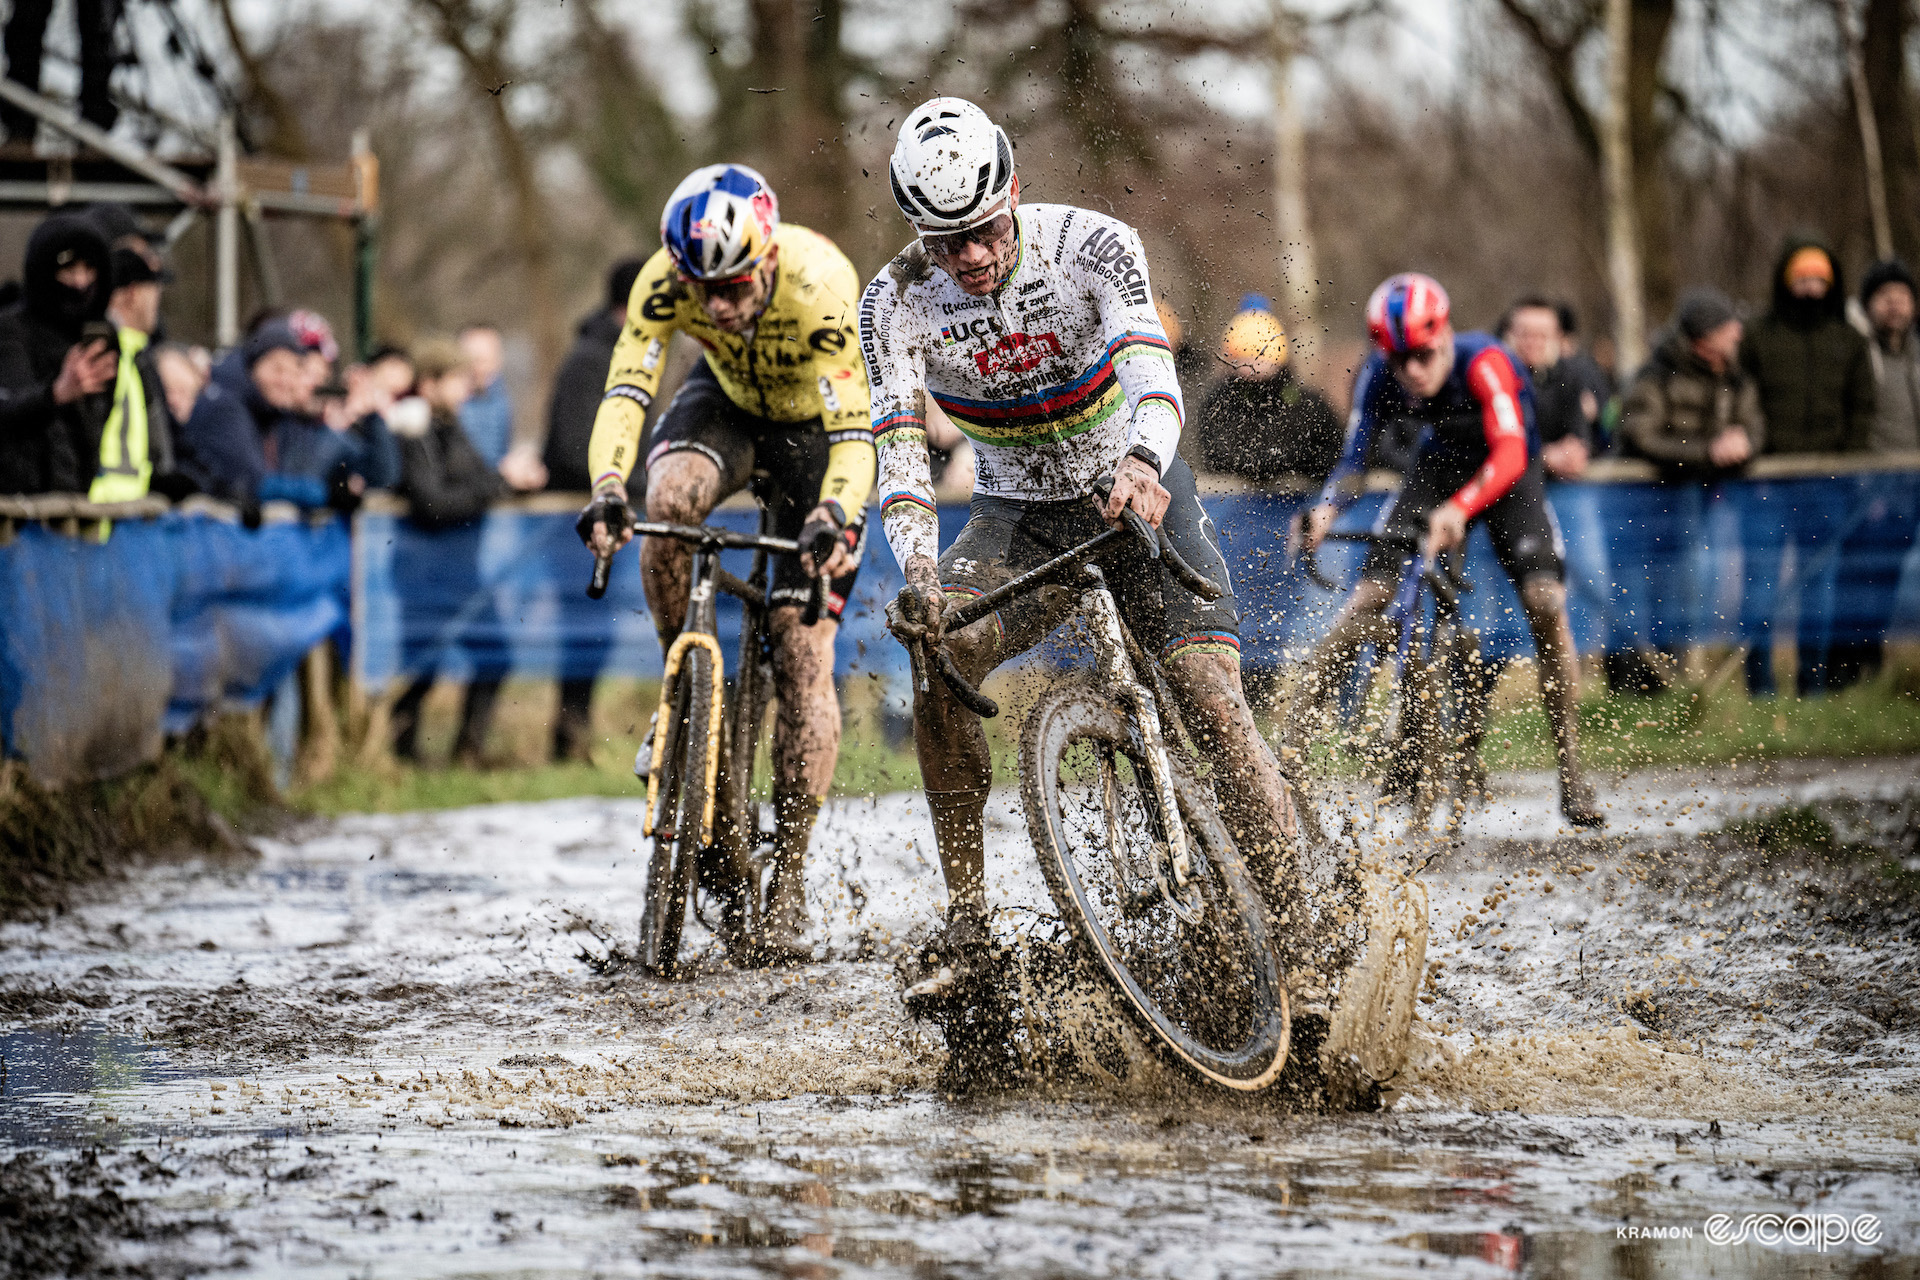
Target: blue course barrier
[[1648, 564], [107, 646]]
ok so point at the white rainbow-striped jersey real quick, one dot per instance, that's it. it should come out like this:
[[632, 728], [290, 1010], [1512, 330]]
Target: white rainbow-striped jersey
[[1054, 377]]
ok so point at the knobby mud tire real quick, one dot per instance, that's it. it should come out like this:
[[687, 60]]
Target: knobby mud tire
[[1081, 712], [670, 873]]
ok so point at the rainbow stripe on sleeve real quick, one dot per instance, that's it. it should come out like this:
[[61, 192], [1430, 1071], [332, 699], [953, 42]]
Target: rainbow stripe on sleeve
[[894, 423], [1171, 403], [906, 496]]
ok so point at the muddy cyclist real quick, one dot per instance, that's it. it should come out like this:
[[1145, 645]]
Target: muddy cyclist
[[1478, 459], [778, 405], [1033, 327]]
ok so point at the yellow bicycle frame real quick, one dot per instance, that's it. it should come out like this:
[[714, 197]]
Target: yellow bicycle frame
[[689, 640]]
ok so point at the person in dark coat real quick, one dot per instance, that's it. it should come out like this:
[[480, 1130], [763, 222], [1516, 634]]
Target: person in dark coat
[[448, 487], [1815, 378], [1692, 412], [1887, 518], [56, 378], [586, 636], [1261, 422]]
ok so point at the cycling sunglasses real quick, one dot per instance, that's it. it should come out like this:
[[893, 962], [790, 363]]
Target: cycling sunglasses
[[732, 289], [989, 233], [1417, 356]]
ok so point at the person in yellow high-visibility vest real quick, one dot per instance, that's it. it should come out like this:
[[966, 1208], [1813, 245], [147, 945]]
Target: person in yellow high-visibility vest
[[136, 453]]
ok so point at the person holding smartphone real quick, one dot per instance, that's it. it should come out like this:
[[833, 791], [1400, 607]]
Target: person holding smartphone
[[58, 361]]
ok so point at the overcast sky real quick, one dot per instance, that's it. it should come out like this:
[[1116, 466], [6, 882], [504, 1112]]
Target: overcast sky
[[1419, 45]]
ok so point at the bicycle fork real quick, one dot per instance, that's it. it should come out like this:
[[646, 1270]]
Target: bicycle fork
[[1173, 873], [699, 634]]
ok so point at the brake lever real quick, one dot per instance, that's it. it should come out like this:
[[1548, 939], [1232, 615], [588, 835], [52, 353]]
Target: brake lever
[[1191, 578], [971, 698], [602, 570], [1442, 589], [816, 601], [1133, 520]]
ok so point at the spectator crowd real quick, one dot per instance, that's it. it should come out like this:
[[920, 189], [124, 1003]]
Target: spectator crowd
[[97, 400]]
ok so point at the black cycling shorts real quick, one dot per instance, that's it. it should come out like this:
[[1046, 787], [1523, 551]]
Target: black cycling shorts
[[782, 462], [1004, 537], [1525, 534]]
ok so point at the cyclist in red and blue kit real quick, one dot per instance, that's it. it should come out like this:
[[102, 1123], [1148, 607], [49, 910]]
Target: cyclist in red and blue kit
[[1477, 460]]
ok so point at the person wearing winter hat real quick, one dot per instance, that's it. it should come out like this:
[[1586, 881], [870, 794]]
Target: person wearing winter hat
[[58, 364], [1868, 578], [1887, 295], [1261, 422], [1815, 377], [1693, 412]]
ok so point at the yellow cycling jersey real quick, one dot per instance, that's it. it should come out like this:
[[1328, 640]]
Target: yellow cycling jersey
[[800, 361]]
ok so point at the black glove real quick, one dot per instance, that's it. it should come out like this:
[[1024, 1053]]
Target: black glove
[[817, 536], [609, 509]]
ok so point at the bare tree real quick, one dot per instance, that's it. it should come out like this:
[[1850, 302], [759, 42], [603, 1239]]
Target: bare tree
[[481, 35], [1623, 232], [1559, 32], [1883, 54]]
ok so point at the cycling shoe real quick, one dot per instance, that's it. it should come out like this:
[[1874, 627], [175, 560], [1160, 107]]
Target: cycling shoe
[[1578, 804], [948, 966]]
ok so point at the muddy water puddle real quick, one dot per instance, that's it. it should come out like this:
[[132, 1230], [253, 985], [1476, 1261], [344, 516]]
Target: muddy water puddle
[[387, 1050]]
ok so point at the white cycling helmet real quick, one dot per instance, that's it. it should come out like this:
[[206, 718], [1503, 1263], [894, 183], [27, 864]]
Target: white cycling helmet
[[951, 166]]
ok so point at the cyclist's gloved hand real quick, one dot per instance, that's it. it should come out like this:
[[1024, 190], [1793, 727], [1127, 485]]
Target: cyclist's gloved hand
[[915, 616], [823, 538], [609, 509]]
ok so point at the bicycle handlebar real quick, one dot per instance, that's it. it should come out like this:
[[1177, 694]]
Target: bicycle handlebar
[[719, 539], [712, 539], [1446, 584]]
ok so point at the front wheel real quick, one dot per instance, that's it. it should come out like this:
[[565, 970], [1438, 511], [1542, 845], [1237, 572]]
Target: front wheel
[[683, 749], [1208, 991]]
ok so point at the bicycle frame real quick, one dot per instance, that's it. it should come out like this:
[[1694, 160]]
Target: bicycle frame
[[706, 579], [1439, 575], [1115, 667]]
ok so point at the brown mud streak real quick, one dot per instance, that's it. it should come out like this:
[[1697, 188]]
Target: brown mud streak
[[53, 839]]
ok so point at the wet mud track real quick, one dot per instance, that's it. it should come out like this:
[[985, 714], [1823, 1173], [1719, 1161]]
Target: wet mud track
[[392, 1048]]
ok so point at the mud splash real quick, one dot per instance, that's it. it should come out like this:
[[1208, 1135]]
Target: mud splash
[[382, 1049]]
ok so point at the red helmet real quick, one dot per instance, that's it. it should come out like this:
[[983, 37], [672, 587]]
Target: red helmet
[[1406, 313]]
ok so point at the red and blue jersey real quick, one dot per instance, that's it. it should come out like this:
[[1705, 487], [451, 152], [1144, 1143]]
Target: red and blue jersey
[[1483, 416]]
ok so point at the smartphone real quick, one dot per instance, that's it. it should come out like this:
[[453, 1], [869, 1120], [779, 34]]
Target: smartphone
[[97, 331]]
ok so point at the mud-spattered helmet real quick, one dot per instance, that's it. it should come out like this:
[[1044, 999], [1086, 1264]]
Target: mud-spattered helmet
[[1407, 312], [951, 167], [719, 222]]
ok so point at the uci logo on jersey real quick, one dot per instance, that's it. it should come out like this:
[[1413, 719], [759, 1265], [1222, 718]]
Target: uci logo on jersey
[[966, 330]]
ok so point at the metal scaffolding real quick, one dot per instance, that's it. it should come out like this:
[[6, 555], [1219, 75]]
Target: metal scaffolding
[[238, 192]]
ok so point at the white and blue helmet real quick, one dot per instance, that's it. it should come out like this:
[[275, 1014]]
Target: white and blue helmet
[[719, 222]]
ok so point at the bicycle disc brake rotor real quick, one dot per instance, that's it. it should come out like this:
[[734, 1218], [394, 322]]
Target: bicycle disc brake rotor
[[1165, 874], [1170, 944]]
